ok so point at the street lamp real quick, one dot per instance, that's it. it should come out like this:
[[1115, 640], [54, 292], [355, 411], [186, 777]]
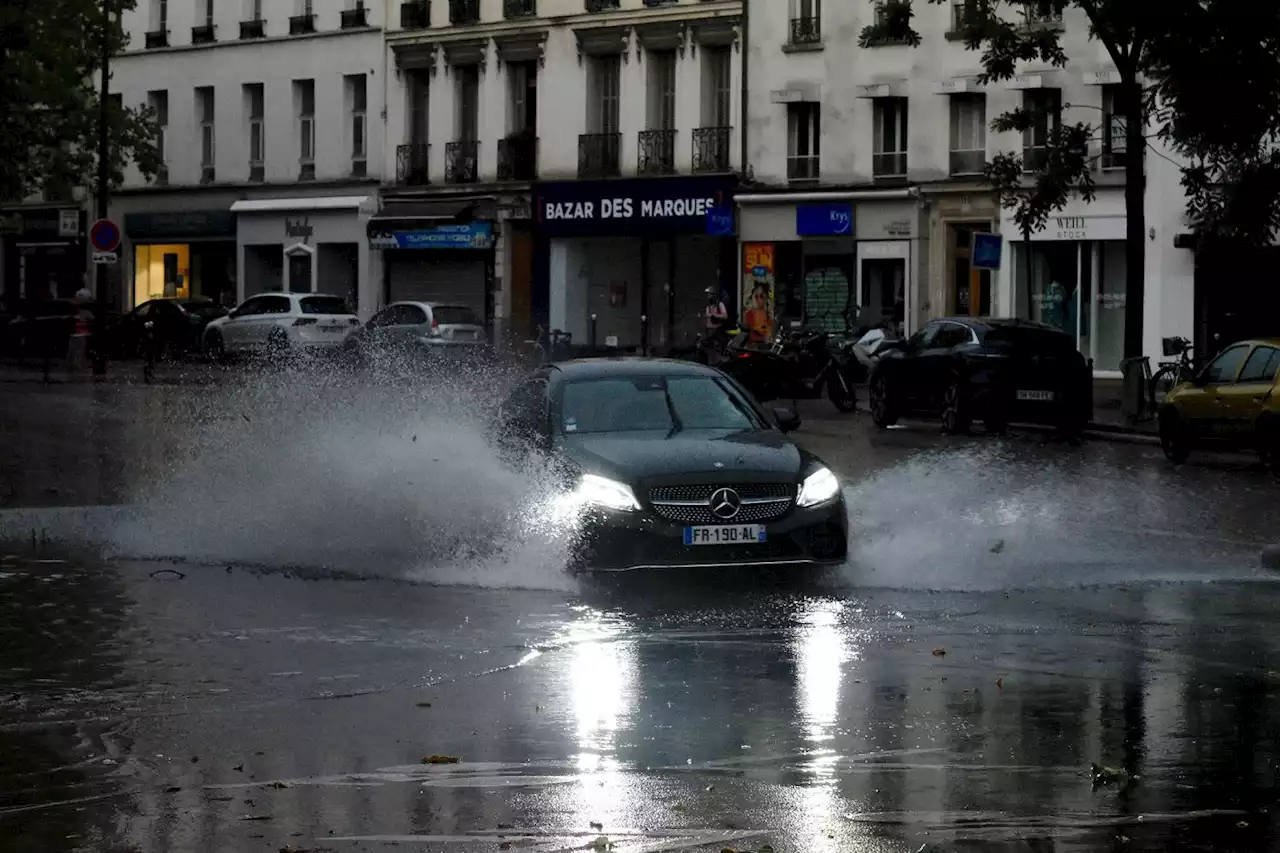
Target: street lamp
[[100, 284]]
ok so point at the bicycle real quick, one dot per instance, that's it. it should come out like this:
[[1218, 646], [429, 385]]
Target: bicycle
[[546, 348], [1171, 374]]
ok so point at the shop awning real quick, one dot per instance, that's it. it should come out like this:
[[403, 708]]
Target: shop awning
[[277, 205], [441, 210]]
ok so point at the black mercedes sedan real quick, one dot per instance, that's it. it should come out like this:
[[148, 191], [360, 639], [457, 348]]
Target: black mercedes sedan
[[998, 371], [672, 464]]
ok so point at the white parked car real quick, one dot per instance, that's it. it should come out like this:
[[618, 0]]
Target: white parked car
[[277, 324]]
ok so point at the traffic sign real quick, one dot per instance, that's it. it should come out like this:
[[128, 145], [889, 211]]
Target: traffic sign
[[986, 251], [104, 235], [105, 258]]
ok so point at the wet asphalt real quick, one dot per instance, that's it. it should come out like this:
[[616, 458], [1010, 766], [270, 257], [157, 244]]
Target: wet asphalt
[[251, 617]]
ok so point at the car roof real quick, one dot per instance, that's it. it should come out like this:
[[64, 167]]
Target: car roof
[[1270, 342], [603, 368], [987, 323], [429, 304]]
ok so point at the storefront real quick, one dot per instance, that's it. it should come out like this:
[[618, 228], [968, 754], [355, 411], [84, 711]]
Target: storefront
[[43, 251], [305, 245], [450, 262], [1074, 281], [179, 254], [840, 261], [636, 255], [955, 286]]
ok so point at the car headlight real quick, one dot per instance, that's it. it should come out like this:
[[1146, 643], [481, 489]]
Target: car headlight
[[607, 493], [819, 487]]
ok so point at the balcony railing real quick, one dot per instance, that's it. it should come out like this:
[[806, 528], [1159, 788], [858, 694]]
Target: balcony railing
[[518, 157], [599, 155], [802, 167], [253, 29], [711, 149], [463, 12], [354, 19], [806, 30], [519, 8], [157, 38], [461, 162], [657, 154], [968, 162], [415, 15], [890, 164], [202, 35], [299, 24], [412, 164], [1035, 158], [594, 6]]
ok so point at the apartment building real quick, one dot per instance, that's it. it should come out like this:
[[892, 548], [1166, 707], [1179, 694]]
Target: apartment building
[[869, 162], [568, 163], [271, 131]]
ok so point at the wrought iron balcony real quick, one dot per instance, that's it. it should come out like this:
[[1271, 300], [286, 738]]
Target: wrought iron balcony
[[711, 149], [891, 164], [519, 8], [803, 167], [202, 35], [464, 12], [157, 38], [461, 162], [806, 30], [599, 155], [518, 157], [594, 6], [354, 19], [412, 164], [299, 24], [657, 152], [253, 29], [415, 14]]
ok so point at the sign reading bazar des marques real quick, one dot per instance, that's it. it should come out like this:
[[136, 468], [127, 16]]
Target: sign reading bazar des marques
[[630, 206]]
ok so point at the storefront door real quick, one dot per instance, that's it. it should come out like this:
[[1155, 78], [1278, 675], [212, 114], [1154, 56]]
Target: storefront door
[[884, 294]]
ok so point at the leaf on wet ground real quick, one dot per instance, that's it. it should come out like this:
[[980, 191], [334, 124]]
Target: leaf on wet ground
[[175, 789], [256, 817], [424, 705], [1104, 775], [999, 684], [998, 547], [277, 786], [938, 653], [441, 759]]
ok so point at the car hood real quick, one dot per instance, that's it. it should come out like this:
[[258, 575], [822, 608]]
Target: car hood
[[217, 321], [706, 456]]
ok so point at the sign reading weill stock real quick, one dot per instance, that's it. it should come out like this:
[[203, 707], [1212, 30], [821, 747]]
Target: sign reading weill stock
[[631, 206]]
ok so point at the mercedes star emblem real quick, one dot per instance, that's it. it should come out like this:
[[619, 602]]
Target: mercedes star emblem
[[725, 504]]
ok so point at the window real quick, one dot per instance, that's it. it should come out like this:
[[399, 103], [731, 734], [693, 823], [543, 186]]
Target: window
[[204, 114], [1262, 366], [467, 80], [1223, 369], [327, 305], [419, 91], [524, 96], [968, 134], [305, 7], [889, 159], [961, 12], [275, 305], [1045, 107], [804, 140], [254, 10], [160, 15], [1043, 12], [305, 96], [253, 96], [158, 101], [924, 338], [717, 92], [662, 90], [806, 21], [1113, 129], [455, 315], [358, 93], [951, 335], [208, 13], [653, 403], [607, 76]]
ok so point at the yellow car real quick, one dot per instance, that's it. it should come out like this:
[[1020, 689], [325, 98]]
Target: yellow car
[[1233, 403]]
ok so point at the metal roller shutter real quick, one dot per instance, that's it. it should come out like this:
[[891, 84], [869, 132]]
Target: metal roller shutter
[[425, 276]]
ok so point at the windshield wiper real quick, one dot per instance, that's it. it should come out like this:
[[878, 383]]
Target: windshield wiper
[[676, 425]]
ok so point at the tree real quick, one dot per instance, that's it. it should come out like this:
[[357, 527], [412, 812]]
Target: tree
[[50, 56], [1128, 29]]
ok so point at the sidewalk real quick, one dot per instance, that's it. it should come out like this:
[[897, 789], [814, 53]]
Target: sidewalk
[[118, 373]]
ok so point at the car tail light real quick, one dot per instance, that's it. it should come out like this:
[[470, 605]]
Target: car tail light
[[305, 321]]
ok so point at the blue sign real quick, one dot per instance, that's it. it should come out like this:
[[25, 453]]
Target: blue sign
[[720, 222], [630, 206], [824, 220], [986, 251], [471, 235]]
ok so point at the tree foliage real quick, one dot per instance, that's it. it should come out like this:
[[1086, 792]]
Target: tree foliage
[[50, 56]]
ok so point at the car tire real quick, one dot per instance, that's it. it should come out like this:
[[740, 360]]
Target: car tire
[[1269, 443], [957, 416], [841, 392], [1173, 437], [884, 413], [215, 347], [277, 346]]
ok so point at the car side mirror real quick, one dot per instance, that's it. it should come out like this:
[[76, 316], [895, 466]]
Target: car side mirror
[[787, 419]]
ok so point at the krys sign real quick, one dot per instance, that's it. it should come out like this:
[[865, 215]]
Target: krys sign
[[662, 206]]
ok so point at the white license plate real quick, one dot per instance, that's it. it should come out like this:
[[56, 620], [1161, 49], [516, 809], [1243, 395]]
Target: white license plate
[[728, 534], [1036, 396]]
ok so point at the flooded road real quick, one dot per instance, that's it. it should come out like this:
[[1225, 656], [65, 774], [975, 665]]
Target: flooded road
[[245, 621]]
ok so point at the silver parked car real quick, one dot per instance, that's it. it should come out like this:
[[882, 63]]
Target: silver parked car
[[419, 329]]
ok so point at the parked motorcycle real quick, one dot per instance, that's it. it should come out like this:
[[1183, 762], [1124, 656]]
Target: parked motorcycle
[[716, 350], [799, 365]]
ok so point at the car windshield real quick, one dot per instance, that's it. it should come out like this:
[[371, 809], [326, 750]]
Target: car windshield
[[324, 305], [644, 403], [204, 308], [454, 315]]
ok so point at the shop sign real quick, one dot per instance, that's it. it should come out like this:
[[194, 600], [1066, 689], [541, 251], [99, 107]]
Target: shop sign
[[44, 223], [298, 229], [824, 220], [720, 222], [472, 235], [1074, 228], [180, 223], [629, 206], [986, 251]]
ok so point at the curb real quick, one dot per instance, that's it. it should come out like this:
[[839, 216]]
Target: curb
[[1271, 557]]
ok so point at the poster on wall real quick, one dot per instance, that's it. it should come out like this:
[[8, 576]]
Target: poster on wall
[[758, 291]]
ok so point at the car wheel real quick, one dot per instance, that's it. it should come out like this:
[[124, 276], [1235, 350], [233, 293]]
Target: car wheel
[[1173, 437], [277, 347], [841, 393], [215, 347], [956, 415], [883, 412], [1269, 443]]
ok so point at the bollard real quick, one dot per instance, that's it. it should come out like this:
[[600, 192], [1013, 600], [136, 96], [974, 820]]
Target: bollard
[[644, 335], [593, 331], [1271, 557]]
